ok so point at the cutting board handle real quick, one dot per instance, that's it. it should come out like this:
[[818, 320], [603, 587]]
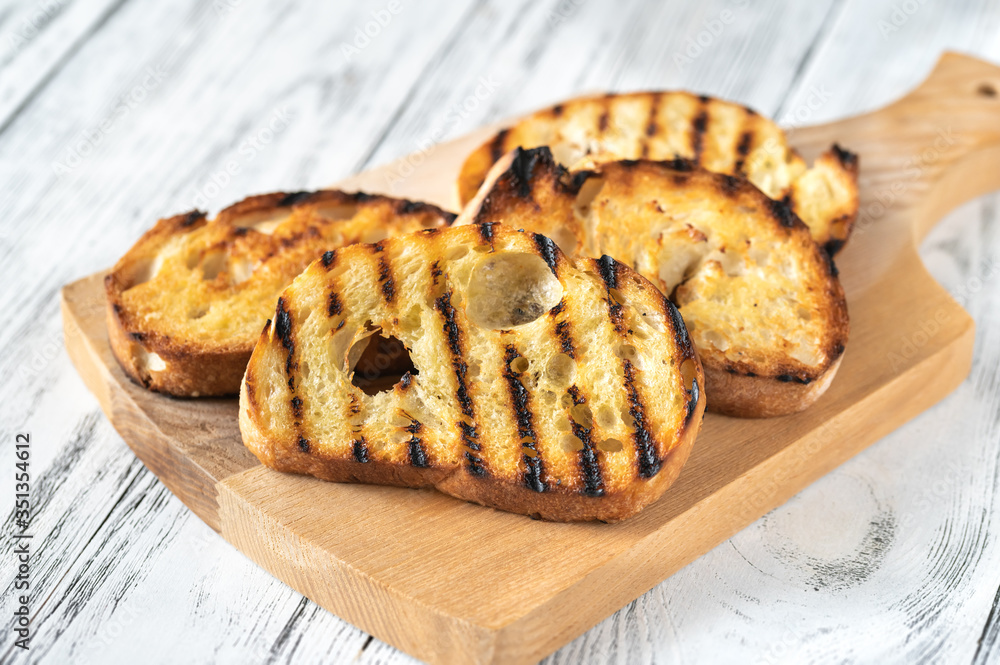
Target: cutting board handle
[[933, 149]]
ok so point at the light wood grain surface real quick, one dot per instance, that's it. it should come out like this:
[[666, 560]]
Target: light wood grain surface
[[114, 113]]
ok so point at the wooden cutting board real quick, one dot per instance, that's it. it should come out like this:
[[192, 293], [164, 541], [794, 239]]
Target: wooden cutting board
[[453, 582]]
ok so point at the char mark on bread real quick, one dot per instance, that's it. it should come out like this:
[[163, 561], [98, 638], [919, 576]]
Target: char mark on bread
[[283, 329], [386, 280], [534, 470], [698, 128], [470, 436], [847, 159], [590, 467], [359, 448], [782, 212], [646, 457], [547, 250], [294, 198]]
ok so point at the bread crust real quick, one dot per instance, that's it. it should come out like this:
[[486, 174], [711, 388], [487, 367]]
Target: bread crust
[[751, 396], [215, 367]]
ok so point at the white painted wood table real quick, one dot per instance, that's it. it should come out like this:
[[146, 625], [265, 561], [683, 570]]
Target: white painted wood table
[[116, 112]]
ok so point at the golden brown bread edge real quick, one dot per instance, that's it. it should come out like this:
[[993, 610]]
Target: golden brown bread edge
[[732, 389], [194, 371], [491, 492], [554, 504], [216, 370], [759, 139]]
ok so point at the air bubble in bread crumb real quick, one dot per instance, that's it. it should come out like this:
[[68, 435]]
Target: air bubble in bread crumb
[[611, 445], [626, 352], [511, 289], [561, 369], [582, 416], [605, 417], [212, 264], [571, 443]]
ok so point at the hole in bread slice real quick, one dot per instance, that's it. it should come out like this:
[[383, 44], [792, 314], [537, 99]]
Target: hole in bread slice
[[378, 361]]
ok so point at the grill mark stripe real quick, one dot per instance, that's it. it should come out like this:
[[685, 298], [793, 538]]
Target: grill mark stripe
[[692, 403], [609, 271], [698, 128], [742, 150], [386, 279], [295, 198], [680, 329], [523, 166], [781, 211], [283, 329], [360, 450], [470, 435], [563, 332], [416, 453], [547, 250], [645, 448], [534, 468], [608, 268], [590, 467], [651, 127], [486, 232], [415, 448], [333, 307]]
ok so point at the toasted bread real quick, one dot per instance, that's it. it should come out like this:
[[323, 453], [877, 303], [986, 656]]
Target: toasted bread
[[761, 300], [565, 389], [186, 303], [717, 135]]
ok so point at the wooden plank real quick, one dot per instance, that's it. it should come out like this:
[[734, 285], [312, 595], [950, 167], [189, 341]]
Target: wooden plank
[[739, 470]]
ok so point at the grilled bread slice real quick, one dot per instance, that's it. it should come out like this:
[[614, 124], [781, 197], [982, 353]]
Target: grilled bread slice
[[761, 300], [565, 389], [720, 136], [186, 303]]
